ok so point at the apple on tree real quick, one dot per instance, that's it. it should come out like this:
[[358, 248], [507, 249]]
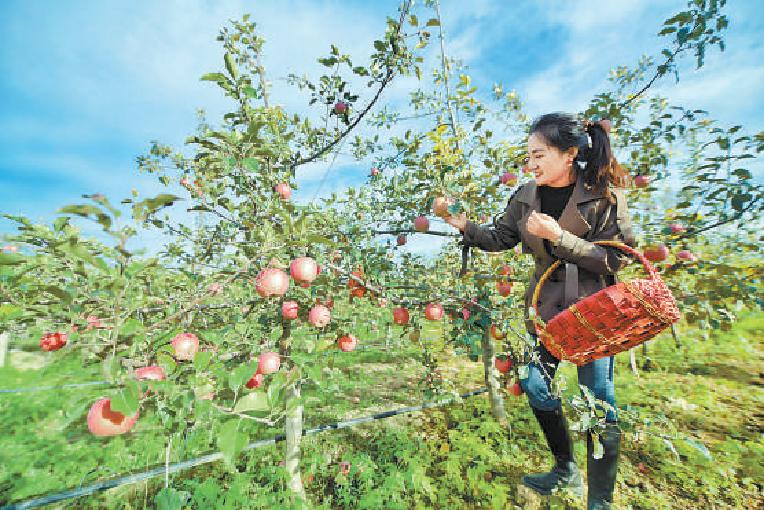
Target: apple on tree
[[347, 343], [656, 253], [401, 316], [271, 281], [102, 421], [504, 288], [401, 240], [508, 178], [421, 224], [433, 311], [642, 181], [304, 269], [340, 107], [53, 341], [289, 310], [319, 316], [284, 190], [255, 381], [268, 363], [502, 364], [185, 346]]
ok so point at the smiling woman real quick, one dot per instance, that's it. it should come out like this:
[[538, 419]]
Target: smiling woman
[[575, 199]]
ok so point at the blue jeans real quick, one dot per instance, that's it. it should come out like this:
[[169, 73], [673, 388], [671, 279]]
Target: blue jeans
[[597, 376]]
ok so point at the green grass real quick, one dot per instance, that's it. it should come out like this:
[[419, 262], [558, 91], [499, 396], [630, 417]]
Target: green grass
[[454, 457]]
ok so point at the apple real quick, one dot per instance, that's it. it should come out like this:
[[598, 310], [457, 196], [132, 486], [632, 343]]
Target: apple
[[496, 333], [271, 281], [215, 288], [184, 182], [508, 178], [319, 316], [440, 206], [340, 107], [642, 181], [465, 313], [421, 224], [502, 364], [374, 172], [504, 288], [93, 322], [515, 389], [345, 467], [268, 362], [283, 190], [255, 381], [686, 255], [401, 239], [401, 316], [289, 310], [383, 302], [53, 341], [433, 311], [10, 248], [677, 228], [347, 343], [304, 269], [656, 253], [506, 270], [150, 373], [102, 421], [185, 345]]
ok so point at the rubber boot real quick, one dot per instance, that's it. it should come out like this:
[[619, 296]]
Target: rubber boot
[[565, 473], [602, 472]]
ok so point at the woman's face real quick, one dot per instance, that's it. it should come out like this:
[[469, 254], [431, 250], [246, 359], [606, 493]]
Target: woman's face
[[550, 166]]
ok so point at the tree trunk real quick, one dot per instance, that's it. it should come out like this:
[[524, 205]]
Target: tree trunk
[[492, 378], [293, 423]]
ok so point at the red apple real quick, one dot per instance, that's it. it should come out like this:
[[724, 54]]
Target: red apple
[[347, 343], [496, 333], [319, 316], [401, 239], [255, 381], [93, 322], [215, 288], [401, 316], [184, 182], [642, 181], [340, 107], [502, 364], [440, 206], [433, 311], [283, 190], [102, 421], [506, 270], [374, 172], [504, 288], [421, 224], [686, 255], [10, 248], [515, 389], [185, 345], [271, 281], [53, 341], [345, 467], [268, 362], [656, 253], [383, 302], [289, 310], [304, 269], [508, 178], [677, 228], [150, 373], [465, 313]]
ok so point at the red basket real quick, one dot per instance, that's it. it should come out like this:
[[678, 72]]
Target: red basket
[[610, 321]]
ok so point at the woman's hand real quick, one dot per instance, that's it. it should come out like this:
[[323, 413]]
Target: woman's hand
[[459, 221], [543, 226]]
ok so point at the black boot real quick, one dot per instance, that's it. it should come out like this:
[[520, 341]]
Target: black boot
[[602, 472], [565, 473]]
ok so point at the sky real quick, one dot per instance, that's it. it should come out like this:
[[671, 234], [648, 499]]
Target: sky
[[85, 86]]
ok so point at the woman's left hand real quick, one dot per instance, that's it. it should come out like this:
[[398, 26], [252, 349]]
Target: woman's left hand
[[543, 226]]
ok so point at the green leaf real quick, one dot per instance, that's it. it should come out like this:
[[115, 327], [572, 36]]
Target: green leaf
[[143, 209], [9, 312], [218, 77], [171, 499], [167, 362], [201, 360], [111, 368], [86, 210], [231, 439], [11, 259], [255, 401], [126, 401], [240, 375], [231, 66]]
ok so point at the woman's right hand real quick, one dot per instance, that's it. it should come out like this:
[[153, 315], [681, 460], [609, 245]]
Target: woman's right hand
[[459, 221]]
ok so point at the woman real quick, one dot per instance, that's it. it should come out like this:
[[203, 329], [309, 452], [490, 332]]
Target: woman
[[574, 199]]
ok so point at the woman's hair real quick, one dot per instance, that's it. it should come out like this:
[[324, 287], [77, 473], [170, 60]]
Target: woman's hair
[[596, 163]]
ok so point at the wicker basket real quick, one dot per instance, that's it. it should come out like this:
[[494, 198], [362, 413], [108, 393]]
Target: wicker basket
[[610, 321]]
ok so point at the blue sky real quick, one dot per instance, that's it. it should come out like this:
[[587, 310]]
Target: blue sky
[[85, 85]]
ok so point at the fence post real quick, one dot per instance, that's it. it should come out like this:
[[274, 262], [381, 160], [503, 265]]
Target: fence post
[[3, 348]]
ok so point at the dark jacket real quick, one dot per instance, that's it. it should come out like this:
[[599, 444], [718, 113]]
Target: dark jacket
[[588, 216]]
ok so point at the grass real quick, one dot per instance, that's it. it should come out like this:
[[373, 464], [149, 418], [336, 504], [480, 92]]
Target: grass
[[453, 457]]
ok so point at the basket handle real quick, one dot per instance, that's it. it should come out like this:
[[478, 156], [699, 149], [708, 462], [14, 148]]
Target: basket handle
[[651, 271]]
